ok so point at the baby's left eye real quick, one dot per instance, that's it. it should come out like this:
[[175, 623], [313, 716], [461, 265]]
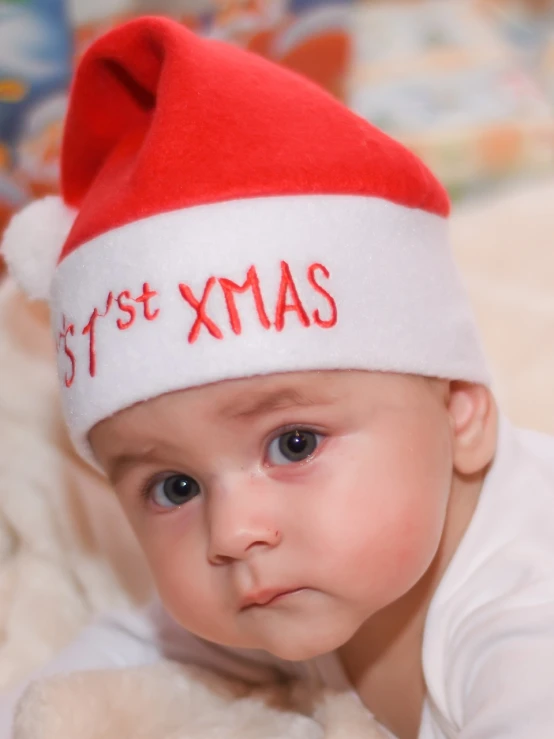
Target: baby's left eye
[[293, 446]]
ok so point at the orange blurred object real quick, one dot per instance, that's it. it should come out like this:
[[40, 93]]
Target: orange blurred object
[[324, 58]]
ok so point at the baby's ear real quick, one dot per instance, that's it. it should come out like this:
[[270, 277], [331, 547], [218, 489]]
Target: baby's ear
[[473, 417]]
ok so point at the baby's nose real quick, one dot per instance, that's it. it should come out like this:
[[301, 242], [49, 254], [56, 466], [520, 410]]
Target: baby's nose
[[240, 521]]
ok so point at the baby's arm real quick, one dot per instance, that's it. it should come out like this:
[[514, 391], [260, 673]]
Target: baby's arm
[[508, 685]]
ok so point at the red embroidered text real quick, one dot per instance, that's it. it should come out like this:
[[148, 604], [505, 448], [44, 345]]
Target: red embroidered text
[[62, 341], [200, 307], [124, 301], [288, 301]]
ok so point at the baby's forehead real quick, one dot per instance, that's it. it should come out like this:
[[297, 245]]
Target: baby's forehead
[[247, 398], [253, 396]]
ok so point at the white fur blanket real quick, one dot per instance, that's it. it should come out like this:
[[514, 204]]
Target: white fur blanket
[[65, 550], [66, 553], [169, 701]]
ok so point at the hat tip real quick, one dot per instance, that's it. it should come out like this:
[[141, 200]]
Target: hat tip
[[33, 241]]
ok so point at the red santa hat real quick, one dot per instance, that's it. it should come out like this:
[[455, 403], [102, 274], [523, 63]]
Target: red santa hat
[[221, 217]]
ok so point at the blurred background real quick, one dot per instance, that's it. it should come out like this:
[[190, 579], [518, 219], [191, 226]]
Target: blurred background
[[467, 84]]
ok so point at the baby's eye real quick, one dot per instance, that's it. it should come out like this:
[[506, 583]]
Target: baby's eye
[[293, 446], [174, 491]]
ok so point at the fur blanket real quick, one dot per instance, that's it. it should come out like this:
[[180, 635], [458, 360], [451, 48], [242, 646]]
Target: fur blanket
[[179, 702], [66, 553]]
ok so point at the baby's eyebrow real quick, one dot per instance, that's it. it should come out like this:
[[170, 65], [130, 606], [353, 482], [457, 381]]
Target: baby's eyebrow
[[250, 406], [122, 463]]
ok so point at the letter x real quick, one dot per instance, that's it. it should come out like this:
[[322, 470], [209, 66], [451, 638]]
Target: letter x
[[200, 308]]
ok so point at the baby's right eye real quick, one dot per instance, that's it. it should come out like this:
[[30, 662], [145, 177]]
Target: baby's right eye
[[174, 491]]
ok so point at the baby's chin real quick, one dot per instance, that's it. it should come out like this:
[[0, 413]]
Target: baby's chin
[[302, 651], [294, 638], [301, 641]]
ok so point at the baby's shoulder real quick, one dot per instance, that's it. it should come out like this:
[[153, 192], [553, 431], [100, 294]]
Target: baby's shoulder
[[502, 575], [493, 612]]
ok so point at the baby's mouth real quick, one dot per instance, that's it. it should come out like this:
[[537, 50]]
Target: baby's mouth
[[266, 597]]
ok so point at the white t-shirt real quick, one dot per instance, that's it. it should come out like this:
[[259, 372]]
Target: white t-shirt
[[488, 650]]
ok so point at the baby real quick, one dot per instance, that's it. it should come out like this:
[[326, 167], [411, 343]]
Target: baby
[[264, 344]]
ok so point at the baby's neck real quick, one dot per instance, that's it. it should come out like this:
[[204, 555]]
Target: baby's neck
[[383, 659]]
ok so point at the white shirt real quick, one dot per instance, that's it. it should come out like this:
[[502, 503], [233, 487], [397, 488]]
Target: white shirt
[[488, 648]]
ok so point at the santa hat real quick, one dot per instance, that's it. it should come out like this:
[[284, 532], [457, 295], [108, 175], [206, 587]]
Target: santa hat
[[221, 217]]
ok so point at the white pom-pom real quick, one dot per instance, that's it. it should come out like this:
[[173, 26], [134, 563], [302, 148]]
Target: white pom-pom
[[33, 241]]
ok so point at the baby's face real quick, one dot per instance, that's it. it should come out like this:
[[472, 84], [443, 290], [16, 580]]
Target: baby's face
[[281, 512]]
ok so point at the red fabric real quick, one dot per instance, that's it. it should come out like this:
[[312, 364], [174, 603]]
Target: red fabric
[[160, 119]]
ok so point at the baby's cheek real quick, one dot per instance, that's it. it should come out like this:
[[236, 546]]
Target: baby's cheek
[[391, 540], [418, 500], [188, 597], [174, 555], [417, 535], [417, 530]]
